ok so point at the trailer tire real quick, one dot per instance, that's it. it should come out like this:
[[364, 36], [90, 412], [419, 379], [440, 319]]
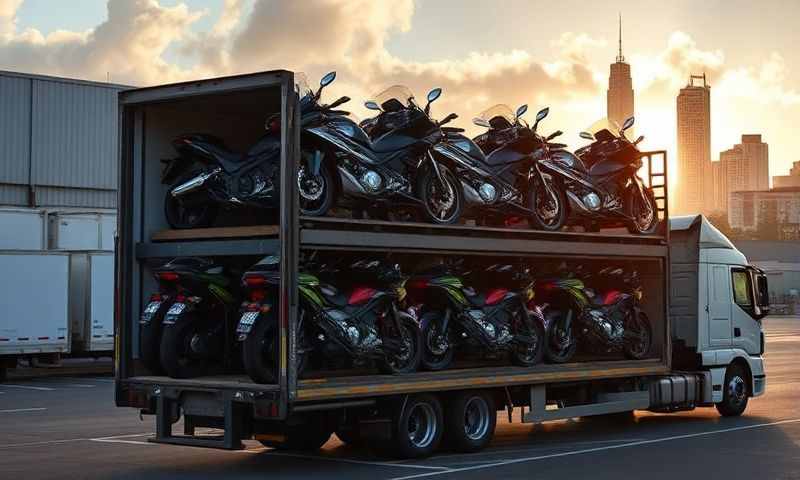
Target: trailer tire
[[735, 392], [470, 421], [418, 427], [259, 349]]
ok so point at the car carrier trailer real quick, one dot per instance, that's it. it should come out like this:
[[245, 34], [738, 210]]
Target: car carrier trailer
[[692, 362]]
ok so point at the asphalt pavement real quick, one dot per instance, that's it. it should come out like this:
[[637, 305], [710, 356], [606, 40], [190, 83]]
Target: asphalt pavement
[[68, 427]]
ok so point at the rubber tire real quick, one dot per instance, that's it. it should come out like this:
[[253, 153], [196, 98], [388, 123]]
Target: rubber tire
[[533, 219], [729, 407], [629, 205], [328, 194], [539, 328], [426, 362], [408, 322], [455, 436], [550, 355], [429, 176], [150, 344], [173, 335], [259, 368], [630, 355], [400, 445], [204, 220]]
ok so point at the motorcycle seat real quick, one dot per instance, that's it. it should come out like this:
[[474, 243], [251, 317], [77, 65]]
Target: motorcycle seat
[[475, 298], [333, 295]]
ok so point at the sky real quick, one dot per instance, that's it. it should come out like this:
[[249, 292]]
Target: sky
[[481, 53]]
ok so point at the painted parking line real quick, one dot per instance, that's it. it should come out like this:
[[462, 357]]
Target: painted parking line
[[124, 439], [21, 410], [598, 449], [29, 387], [348, 460]]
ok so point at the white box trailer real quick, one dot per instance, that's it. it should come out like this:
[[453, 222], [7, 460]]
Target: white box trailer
[[34, 299], [23, 229], [91, 302], [81, 231]]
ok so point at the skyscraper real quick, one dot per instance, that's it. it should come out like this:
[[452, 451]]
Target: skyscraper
[[755, 155], [745, 167], [619, 97], [694, 183]]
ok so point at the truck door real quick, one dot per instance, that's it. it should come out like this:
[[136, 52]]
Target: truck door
[[746, 328], [719, 306]]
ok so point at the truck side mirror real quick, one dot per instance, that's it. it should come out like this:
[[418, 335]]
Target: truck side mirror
[[762, 294]]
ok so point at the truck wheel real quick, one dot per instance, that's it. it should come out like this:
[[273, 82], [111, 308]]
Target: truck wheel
[[734, 392], [259, 350], [437, 352], [179, 350], [418, 427], [470, 421], [150, 345]]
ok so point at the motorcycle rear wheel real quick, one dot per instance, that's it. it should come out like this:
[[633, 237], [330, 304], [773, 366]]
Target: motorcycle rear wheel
[[177, 359], [435, 360], [558, 348], [150, 344], [259, 350], [636, 344], [525, 355], [179, 215], [409, 360], [552, 217], [644, 218]]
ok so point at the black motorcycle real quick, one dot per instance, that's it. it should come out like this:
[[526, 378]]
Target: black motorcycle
[[361, 324], [601, 182], [493, 322], [393, 170], [601, 322], [196, 328], [208, 175]]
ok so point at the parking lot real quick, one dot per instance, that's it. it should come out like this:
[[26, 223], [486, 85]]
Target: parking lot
[[68, 427]]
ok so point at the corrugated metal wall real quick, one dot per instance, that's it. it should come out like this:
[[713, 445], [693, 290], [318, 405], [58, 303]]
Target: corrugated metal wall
[[58, 141]]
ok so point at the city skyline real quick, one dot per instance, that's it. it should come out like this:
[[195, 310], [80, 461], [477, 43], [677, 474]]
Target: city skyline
[[372, 45]]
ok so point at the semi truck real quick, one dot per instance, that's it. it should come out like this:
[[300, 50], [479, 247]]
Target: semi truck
[[703, 300]]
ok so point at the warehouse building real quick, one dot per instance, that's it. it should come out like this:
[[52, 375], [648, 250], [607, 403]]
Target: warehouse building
[[58, 142]]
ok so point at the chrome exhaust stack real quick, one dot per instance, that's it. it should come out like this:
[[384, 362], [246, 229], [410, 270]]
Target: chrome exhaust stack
[[193, 184]]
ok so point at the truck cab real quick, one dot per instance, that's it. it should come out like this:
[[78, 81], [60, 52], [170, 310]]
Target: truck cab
[[717, 303]]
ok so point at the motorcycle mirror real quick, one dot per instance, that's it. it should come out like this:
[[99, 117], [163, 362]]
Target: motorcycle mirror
[[638, 140], [372, 105], [628, 124], [434, 94], [521, 110], [481, 122], [586, 135], [327, 79], [542, 113]]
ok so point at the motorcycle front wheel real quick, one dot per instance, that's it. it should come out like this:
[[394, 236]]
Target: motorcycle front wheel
[[180, 357], [560, 341], [260, 350], [638, 336], [182, 214], [642, 212], [528, 353], [409, 358], [549, 205], [437, 347], [443, 202], [316, 192]]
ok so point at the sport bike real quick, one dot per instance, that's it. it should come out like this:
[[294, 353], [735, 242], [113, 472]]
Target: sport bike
[[599, 322], [494, 321]]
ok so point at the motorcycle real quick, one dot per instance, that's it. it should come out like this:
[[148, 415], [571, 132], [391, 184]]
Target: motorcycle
[[363, 325], [343, 165], [153, 315], [494, 322], [207, 175], [195, 328], [601, 181], [606, 322], [508, 153]]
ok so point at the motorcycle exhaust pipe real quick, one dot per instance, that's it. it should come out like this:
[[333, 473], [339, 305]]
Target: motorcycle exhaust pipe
[[193, 184]]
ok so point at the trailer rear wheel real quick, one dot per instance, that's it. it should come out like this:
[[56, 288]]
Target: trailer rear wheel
[[470, 421], [734, 392], [418, 427]]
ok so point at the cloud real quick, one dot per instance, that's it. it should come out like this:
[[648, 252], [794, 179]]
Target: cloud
[[8, 10]]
